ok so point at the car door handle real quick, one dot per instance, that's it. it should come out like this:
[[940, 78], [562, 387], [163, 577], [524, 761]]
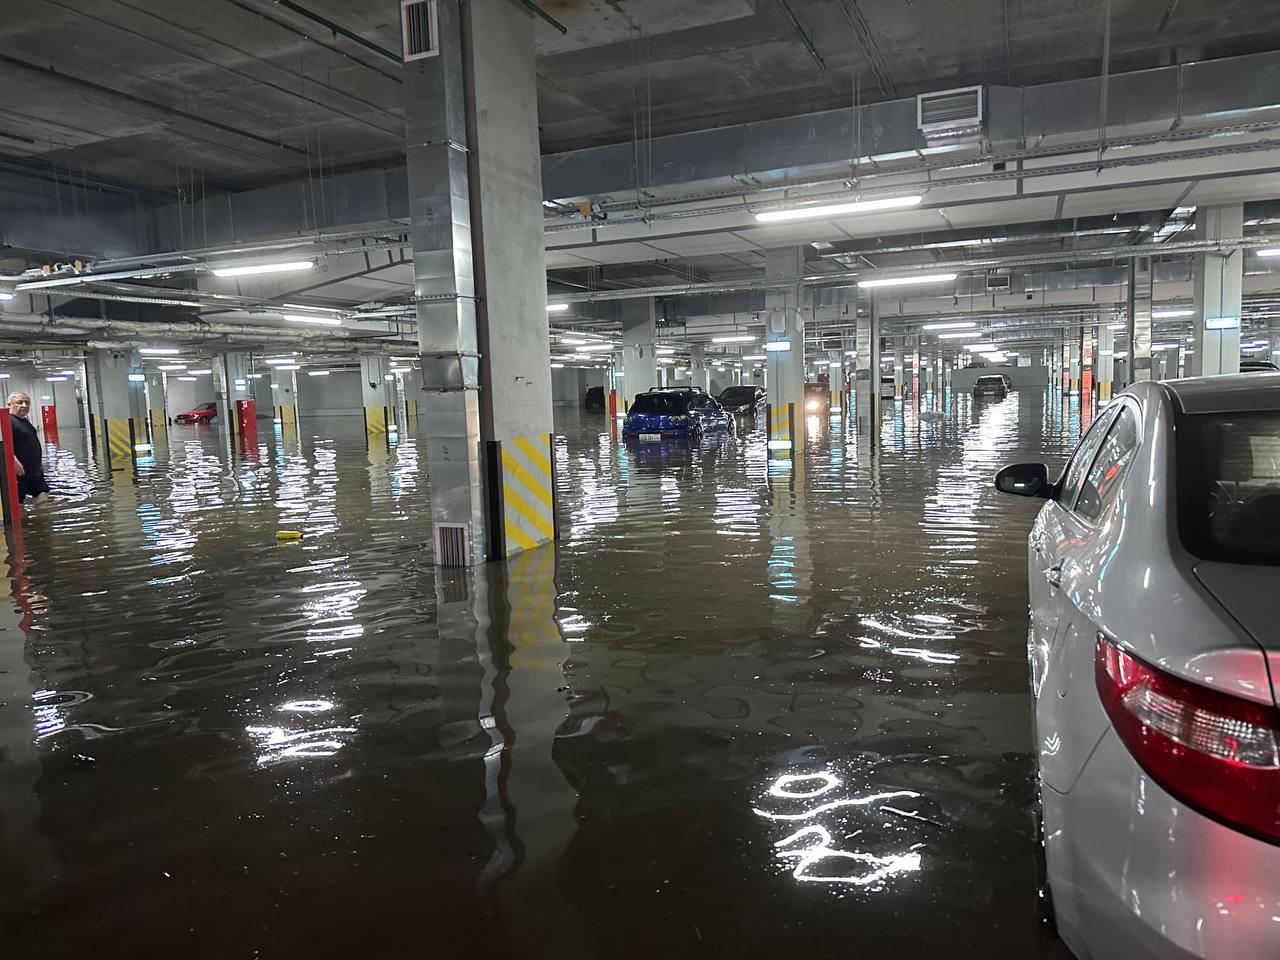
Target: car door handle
[[1054, 575]]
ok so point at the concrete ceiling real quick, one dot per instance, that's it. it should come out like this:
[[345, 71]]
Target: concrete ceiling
[[198, 97]]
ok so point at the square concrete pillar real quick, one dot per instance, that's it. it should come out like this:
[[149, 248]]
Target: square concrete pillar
[[1217, 285]]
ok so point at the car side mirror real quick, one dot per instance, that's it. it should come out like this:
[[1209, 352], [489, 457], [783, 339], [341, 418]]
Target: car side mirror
[[1025, 480]]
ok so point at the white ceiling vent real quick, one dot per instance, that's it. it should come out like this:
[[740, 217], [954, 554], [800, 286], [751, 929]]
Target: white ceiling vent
[[419, 29], [948, 114]]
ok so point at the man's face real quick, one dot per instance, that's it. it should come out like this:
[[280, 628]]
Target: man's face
[[20, 405]]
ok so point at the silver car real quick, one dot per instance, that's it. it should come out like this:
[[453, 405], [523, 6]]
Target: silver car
[[1155, 667]]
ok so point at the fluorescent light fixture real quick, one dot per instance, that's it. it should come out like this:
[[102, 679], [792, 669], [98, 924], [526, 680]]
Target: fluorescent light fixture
[[557, 307], [1115, 326], [389, 376], [287, 366], [736, 338], [1221, 323], [56, 379], [851, 353], [594, 347], [305, 306], [256, 269], [159, 351], [137, 378], [6, 296], [238, 383], [317, 373], [755, 356], [275, 386], [278, 361], [320, 321], [557, 366], [778, 346], [189, 379], [951, 325], [957, 336], [1164, 346], [1269, 252], [205, 373], [665, 351], [1172, 314], [67, 373], [171, 367], [903, 281], [4, 376], [574, 341], [46, 398], [838, 209], [255, 376]]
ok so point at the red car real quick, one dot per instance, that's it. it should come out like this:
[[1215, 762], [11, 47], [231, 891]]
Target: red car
[[201, 414]]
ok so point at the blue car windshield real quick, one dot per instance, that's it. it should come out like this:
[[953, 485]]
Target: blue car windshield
[[668, 404]]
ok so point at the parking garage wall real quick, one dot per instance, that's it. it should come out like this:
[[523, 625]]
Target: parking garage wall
[[337, 395]]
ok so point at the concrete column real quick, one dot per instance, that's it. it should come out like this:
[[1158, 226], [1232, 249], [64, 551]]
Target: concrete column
[[698, 373], [899, 373], [230, 387], [475, 203], [784, 324], [1106, 362], [284, 392], [117, 406], [1138, 363], [1073, 364], [867, 377], [1217, 285], [157, 407], [639, 346], [377, 394]]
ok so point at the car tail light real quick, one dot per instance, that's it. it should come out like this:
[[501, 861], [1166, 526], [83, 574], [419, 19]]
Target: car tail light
[[1215, 752]]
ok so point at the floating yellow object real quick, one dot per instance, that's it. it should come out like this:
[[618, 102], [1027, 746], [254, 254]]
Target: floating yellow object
[[288, 535]]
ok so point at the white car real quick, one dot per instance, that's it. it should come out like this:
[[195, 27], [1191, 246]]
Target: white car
[[1155, 667]]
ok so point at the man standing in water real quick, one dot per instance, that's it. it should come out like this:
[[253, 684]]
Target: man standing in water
[[27, 453]]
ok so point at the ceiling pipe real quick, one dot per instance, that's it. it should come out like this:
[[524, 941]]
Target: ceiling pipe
[[846, 277]]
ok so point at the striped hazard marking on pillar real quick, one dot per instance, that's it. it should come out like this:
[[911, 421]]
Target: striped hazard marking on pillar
[[780, 424], [119, 433], [527, 493], [375, 420]]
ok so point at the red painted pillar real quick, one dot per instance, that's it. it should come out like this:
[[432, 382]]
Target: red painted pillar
[[49, 416], [247, 424], [8, 473], [613, 404]]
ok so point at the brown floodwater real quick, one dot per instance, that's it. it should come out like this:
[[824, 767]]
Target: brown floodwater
[[744, 709]]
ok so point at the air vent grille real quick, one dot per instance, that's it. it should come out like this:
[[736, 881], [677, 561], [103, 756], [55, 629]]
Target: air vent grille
[[949, 109], [418, 28], [453, 544]]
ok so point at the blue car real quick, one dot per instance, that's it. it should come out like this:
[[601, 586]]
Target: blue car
[[677, 412]]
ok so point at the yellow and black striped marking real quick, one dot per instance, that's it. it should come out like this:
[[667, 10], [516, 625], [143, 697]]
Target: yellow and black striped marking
[[118, 440], [528, 496], [375, 421], [781, 429]]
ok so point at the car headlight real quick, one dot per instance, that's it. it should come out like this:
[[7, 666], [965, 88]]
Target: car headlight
[[811, 405]]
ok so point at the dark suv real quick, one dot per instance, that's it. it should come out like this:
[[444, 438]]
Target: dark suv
[[993, 385]]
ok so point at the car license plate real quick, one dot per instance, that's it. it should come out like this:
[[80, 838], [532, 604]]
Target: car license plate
[[650, 438]]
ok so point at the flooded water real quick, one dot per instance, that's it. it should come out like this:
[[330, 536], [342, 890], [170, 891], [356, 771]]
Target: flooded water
[[744, 709]]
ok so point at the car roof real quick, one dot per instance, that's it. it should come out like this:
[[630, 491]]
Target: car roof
[[1224, 394]]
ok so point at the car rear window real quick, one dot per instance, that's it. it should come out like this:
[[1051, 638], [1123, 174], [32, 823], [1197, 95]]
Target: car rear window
[[991, 381], [661, 403], [1229, 486], [738, 394]]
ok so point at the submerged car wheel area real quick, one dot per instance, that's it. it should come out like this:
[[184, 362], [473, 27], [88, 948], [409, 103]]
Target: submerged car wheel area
[[1153, 568]]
